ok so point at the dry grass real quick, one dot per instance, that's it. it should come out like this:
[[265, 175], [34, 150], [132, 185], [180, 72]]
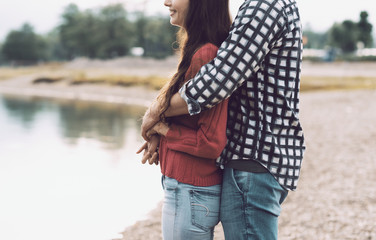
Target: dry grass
[[308, 83], [154, 82], [13, 72], [50, 73], [7, 73], [54, 73], [337, 83], [314, 83]]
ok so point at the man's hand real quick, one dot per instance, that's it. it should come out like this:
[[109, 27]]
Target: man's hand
[[151, 117], [150, 150], [177, 107], [159, 128]]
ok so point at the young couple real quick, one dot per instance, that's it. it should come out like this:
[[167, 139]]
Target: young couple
[[226, 128]]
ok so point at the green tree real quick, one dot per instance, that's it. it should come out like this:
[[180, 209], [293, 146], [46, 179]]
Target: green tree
[[159, 37], [140, 26], [70, 31], [55, 49], [116, 34], [365, 30], [315, 40], [78, 32], [348, 34], [96, 34], [344, 36], [2, 60], [24, 46]]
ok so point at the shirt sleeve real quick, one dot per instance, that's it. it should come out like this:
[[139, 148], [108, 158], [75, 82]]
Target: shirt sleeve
[[209, 139], [254, 32]]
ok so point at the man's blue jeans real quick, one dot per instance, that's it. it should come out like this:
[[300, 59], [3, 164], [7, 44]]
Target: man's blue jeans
[[250, 205]]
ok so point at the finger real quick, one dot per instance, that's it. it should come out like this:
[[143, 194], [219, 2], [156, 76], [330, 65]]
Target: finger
[[151, 159], [153, 146], [157, 159], [145, 158], [143, 147], [154, 158]]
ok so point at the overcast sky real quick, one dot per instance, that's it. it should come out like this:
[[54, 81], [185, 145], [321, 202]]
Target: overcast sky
[[44, 15]]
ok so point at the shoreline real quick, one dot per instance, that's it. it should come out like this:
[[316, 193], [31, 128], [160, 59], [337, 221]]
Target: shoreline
[[23, 87]]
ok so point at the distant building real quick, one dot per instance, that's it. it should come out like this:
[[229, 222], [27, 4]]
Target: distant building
[[366, 52]]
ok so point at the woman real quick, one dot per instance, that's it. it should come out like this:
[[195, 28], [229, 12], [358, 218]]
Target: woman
[[189, 145]]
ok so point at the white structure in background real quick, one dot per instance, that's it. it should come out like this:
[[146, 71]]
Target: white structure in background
[[310, 52], [366, 52], [137, 51]]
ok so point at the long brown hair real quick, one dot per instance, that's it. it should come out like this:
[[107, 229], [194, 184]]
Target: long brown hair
[[207, 21]]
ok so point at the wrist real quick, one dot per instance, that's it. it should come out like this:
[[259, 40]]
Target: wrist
[[161, 128], [155, 111]]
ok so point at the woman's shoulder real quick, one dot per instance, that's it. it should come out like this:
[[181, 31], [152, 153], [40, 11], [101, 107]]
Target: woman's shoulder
[[208, 50], [208, 47]]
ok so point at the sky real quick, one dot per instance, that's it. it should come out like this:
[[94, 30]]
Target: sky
[[44, 15]]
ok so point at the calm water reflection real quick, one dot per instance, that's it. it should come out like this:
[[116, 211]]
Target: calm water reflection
[[68, 170]]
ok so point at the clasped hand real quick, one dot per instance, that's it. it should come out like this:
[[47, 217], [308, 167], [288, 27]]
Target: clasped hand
[[150, 149], [151, 129]]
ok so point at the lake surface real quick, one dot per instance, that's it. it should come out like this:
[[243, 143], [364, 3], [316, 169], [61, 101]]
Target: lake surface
[[69, 171]]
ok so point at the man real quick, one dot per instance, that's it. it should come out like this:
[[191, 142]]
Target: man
[[258, 68]]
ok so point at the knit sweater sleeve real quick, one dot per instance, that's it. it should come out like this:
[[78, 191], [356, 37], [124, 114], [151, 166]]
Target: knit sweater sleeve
[[209, 139]]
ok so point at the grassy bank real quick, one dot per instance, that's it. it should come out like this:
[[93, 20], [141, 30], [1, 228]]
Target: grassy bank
[[153, 82], [52, 73], [308, 83], [317, 83], [13, 72]]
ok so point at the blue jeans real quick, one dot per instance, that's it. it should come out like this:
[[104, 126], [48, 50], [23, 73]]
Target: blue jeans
[[250, 205], [189, 212]]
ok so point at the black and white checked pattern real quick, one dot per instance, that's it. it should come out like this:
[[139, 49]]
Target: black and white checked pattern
[[258, 65]]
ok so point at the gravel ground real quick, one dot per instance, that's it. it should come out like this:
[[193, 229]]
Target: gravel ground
[[336, 196]]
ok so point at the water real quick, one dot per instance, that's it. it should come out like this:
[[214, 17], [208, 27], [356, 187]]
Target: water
[[68, 170]]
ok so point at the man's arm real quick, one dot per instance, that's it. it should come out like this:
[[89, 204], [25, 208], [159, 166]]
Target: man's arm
[[177, 107], [257, 29]]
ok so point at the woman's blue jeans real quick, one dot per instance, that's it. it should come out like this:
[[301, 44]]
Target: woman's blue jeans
[[250, 205], [189, 212]]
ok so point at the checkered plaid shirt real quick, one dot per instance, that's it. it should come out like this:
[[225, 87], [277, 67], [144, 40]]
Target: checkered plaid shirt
[[258, 67]]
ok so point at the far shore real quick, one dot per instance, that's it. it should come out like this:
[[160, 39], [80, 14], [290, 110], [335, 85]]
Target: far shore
[[84, 79]]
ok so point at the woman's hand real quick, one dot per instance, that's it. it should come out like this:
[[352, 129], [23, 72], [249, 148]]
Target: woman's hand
[[150, 150]]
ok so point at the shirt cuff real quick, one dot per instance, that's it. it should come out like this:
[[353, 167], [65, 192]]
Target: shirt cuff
[[193, 105]]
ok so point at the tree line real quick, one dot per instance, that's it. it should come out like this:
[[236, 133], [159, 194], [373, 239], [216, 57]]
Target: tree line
[[345, 37], [103, 33], [111, 32]]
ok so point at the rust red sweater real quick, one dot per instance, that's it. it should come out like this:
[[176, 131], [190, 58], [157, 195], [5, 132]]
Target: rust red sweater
[[189, 150]]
